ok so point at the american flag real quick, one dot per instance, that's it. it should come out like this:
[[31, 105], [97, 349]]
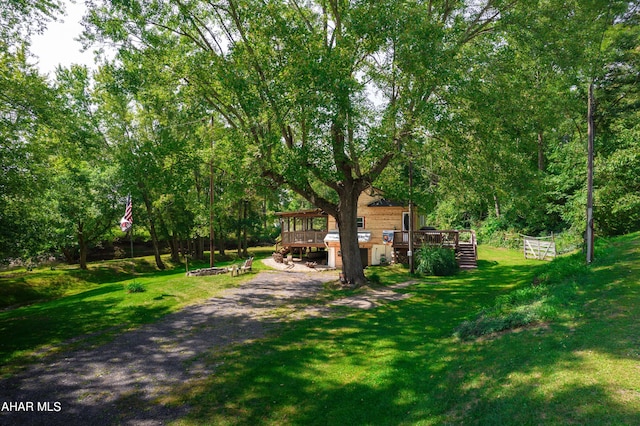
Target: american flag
[[127, 220]]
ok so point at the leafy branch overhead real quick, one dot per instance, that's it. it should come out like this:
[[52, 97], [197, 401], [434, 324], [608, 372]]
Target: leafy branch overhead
[[331, 88]]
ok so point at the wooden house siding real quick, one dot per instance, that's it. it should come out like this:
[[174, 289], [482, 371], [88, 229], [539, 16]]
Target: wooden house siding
[[376, 219]]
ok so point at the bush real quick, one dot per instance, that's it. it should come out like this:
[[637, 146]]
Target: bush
[[439, 261], [135, 287]]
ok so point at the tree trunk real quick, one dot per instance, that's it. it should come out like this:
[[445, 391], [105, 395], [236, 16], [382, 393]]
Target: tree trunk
[[239, 229], [541, 161], [348, 226], [82, 244], [152, 232], [222, 239], [496, 205], [175, 248], [245, 241], [68, 255], [201, 243], [198, 247]]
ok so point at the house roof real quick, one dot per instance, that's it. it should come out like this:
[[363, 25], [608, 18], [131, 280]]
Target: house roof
[[383, 202], [311, 212]]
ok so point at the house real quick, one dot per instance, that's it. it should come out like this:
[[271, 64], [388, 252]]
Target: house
[[383, 232]]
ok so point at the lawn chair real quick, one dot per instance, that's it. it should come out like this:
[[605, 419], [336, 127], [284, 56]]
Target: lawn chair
[[247, 265]]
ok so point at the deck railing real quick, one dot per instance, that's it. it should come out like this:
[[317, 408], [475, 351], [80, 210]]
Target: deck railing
[[429, 238], [303, 237]]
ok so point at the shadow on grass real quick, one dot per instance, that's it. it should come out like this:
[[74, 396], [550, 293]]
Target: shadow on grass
[[399, 365], [120, 381], [85, 316]]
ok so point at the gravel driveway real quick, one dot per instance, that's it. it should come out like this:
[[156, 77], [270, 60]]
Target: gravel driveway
[[116, 383]]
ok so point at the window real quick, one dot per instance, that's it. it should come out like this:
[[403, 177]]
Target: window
[[360, 222]]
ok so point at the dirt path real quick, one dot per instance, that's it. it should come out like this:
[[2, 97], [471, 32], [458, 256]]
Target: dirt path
[[116, 383]]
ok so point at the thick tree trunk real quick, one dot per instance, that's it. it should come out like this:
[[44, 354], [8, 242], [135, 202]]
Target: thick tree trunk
[[195, 248], [222, 240], [347, 224], [68, 255]]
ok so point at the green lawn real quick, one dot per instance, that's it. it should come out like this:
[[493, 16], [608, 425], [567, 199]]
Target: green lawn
[[87, 307], [399, 363]]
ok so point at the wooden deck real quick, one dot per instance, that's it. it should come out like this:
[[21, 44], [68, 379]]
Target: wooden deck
[[303, 228], [429, 238], [463, 242]]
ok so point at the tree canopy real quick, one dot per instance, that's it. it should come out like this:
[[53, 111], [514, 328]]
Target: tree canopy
[[323, 98]]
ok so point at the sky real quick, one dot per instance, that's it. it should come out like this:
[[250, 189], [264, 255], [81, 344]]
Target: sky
[[57, 45]]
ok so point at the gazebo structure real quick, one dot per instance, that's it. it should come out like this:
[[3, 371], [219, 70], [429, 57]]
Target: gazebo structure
[[303, 230]]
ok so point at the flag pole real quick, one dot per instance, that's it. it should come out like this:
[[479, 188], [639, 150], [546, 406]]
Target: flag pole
[[126, 224]]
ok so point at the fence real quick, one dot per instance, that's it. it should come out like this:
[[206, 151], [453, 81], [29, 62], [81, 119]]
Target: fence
[[541, 248]]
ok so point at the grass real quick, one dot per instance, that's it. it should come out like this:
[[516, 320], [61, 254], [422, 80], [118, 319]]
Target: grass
[[90, 307], [400, 364]]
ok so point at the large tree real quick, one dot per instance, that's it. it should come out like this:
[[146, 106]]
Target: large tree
[[81, 193], [618, 124], [26, 110], [324, 93]]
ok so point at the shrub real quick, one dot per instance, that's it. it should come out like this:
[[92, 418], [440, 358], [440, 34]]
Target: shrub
[[439, 261], [135, 287], [492, 322]]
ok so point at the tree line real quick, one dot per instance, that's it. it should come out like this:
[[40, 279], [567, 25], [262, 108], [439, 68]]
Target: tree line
[[253, 101]]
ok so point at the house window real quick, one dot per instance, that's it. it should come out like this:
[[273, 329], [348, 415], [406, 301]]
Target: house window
[[360, 222]]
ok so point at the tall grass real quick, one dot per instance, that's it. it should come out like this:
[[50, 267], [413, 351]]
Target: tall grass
[[549, 296]]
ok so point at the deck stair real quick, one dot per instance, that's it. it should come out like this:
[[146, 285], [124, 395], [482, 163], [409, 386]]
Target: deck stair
[[466, 256]]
